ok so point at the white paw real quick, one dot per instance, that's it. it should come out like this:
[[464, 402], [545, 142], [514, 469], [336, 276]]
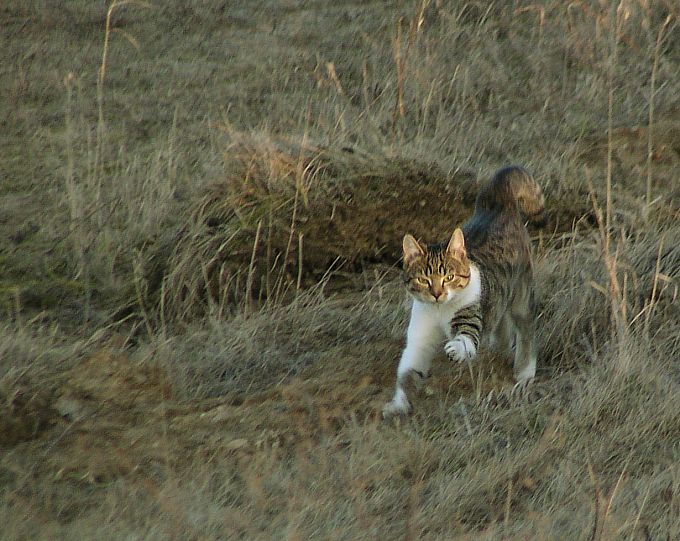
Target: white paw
[[528, 372], [461, 349], [398, 406]]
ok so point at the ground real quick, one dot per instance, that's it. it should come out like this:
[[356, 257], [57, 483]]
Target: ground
[[202, 211]]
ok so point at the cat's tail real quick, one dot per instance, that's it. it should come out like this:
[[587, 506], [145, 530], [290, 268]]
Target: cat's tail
[[513, 188]]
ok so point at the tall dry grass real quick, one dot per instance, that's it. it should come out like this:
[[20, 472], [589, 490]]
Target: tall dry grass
[[267, 428]]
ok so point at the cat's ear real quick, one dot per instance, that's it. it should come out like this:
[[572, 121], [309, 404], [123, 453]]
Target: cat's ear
[[456, 246], [412, 249]]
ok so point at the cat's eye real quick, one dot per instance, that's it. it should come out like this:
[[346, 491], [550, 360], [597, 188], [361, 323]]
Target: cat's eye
[[422, 281], [449, 277]]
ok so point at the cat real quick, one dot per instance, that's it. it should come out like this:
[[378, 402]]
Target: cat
[[478, 284]]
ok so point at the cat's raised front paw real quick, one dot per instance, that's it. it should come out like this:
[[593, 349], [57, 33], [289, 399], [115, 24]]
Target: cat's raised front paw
[[460, 349]]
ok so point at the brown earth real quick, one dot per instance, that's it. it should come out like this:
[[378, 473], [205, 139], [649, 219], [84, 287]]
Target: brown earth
[[199, 252]]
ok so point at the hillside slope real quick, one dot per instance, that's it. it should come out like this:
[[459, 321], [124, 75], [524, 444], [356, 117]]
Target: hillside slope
[[202, 207]]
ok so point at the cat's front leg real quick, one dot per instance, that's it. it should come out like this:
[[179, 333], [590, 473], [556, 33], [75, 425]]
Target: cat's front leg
[[423, 337], [465, 331], [408, 385]]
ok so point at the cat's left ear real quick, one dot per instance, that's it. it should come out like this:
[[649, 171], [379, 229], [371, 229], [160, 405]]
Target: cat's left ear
[[456, 245]]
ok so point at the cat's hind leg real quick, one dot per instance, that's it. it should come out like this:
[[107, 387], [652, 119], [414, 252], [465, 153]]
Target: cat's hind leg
[[502, 339], [522, 312]]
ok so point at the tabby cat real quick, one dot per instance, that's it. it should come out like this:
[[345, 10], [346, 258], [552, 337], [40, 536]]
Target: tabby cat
[[479, 284]]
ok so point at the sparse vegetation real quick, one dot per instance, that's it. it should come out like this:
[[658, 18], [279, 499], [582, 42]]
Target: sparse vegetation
[[201, 223]]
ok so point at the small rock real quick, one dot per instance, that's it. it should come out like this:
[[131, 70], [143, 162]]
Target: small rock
[[218, 414], [235, 445], [72, 409]]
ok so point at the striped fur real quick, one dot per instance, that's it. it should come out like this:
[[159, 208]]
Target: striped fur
[[478, 285], [468, 322]]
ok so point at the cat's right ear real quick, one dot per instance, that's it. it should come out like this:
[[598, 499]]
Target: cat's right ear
[[412, 249]]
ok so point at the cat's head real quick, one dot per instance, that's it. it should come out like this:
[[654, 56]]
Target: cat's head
[[436, 273]]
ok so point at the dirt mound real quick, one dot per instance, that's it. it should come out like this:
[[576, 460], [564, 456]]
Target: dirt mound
[[286, 213], [108, 406], [109, 380]]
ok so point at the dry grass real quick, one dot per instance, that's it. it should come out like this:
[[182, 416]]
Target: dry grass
[[202, 209]]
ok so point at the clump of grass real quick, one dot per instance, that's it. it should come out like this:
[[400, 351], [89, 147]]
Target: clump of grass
[[578, 277], [287, 213]]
